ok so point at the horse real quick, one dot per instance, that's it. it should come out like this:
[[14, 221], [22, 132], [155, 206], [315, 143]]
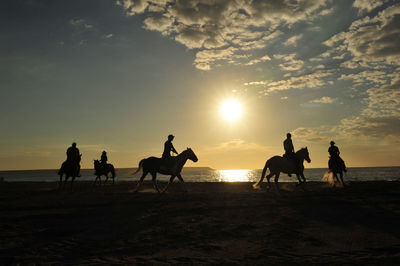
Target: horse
[[336, 166], [70, 170], [154, 165], [101, 170], [278, 164]]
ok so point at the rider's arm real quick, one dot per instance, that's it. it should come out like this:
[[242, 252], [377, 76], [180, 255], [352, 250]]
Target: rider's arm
[[173, 149]]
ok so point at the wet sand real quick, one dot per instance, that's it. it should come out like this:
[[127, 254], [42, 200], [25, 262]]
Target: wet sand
[[213, 223]]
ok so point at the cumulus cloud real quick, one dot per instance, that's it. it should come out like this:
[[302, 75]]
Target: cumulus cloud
[[373, 39], [224, 25]]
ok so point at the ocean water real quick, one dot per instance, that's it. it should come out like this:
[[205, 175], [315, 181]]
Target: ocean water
[[210, 175]]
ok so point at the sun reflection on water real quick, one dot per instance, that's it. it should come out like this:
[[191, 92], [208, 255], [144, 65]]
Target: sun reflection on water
[[239, 175]]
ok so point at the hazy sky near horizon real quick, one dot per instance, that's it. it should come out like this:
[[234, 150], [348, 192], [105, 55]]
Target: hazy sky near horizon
[[122, 75]]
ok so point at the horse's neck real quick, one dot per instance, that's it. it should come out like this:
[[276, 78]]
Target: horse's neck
[[182, 158], [300, 156]]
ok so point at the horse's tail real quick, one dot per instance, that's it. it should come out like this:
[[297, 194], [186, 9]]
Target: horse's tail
[[139, 167], [263, 174]]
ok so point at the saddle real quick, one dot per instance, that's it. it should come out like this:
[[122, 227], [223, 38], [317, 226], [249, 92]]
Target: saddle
[[167, 164]]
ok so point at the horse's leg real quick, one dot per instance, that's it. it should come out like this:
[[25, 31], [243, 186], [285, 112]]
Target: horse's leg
[[65, 180], [341, 177], [276, 180], [298, 178], [154, 179], [140, 181], [302, 176], [182, 182], [60, 184], [72, 181], [268, 178], [95, 180], [169, 182], [106, 180]]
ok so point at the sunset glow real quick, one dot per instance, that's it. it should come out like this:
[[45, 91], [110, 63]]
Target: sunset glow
[[231, 110]]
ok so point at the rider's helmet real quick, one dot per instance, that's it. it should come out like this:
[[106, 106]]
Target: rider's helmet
[[332, 142], [104, 152], [288, 135], [74, 144], [170, 137]]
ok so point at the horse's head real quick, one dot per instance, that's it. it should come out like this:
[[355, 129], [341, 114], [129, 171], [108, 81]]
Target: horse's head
[[96, 163], [306, 155], [191, 155]]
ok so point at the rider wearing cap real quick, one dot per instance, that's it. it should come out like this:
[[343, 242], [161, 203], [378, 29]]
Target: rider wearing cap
[[168, 147], [334, 154]]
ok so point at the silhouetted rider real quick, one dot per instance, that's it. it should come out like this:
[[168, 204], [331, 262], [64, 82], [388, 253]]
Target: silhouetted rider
[[168, 147], [289, 150], [74, 157], [334, 154], [103, 159]]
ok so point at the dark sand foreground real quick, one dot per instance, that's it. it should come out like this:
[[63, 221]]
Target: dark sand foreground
[[212, 223]]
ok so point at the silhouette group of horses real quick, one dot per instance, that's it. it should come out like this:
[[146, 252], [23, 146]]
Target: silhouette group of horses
[[153, 165]]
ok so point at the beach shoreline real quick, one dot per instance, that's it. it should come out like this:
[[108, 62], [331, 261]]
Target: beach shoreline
[[211, 223]]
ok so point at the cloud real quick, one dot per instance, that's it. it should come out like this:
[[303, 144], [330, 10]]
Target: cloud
[[368, 5], [313, 80], [256, 61], [324, 100], [372, 39], [81, 24], [293, 40], [230, 25], [310, 135]]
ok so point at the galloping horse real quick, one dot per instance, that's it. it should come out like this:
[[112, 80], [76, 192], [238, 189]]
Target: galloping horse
[[154, 165], [101, 170], [70, 170], [278, 164], [336, 167]]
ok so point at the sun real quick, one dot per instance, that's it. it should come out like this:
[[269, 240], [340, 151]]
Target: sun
[[231, 110]]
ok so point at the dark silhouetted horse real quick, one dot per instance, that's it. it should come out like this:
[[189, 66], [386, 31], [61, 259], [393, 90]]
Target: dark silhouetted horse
[[336, 166], [278, 164], [69, 170], [103, 170], [154, 165]]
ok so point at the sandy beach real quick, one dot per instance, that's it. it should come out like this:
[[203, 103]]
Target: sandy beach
[[211, 224]]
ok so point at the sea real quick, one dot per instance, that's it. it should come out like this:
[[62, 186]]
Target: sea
[[205, 174]]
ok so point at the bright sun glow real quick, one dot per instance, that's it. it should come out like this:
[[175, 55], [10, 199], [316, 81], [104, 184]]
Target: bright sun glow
[[231, 110], [239, 175]]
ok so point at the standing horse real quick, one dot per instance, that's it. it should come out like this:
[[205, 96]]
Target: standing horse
[[101, 170], [154, 165], [70, 170], [278, 164], [336, 166]]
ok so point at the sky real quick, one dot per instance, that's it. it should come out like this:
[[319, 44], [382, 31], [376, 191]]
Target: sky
[[122, 75]]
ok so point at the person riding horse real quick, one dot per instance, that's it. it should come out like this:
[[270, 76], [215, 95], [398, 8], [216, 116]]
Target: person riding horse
[[168, 148], [335, 159], [74, 157], [289, 151], [103, 159]]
